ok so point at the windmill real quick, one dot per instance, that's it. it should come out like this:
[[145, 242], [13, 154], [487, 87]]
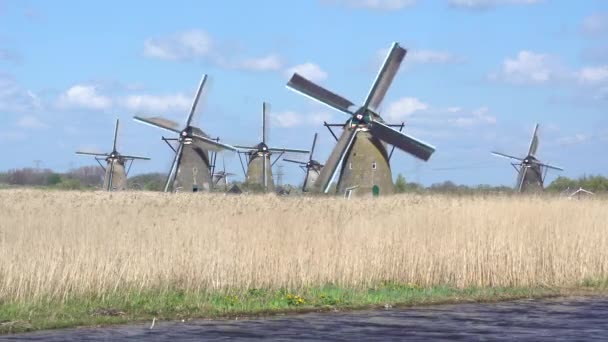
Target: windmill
[[115, 173], [191, 166], [222, 176], [259, 163], [312, 168], [361, 149], [531, 172]]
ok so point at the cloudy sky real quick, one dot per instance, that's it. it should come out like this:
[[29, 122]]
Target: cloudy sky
[[477, 77]]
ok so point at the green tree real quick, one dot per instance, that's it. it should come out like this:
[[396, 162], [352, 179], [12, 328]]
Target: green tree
[[53, 179], [400, 184]]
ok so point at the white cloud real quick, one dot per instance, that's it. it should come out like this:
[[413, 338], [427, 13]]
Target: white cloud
[[475, 117], [268, 63], [287, 119], [404, 107], [32, 122], [487, 4], [309, 70], [575, 139], [187, 45], [83, 96], [593, 74], [383, 5], [529, 67], [198, 45], [157, 104], [14, 98], [596, 24]]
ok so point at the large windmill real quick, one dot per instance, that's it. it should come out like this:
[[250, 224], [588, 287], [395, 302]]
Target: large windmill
[[191, 166], [259, 163], [361, 148], [115, 171], [312, 168], [531, 172]]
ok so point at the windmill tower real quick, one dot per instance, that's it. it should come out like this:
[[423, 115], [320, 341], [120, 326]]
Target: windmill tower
[[312, 168], [115, 171], [191, 166], [531, 172], [259, 163], [361, 149]]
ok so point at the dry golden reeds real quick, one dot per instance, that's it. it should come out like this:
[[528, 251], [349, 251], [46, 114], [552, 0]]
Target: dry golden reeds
[[60, 244]]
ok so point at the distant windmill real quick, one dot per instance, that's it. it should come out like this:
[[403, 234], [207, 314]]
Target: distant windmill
[[531, 172], [115, 174], [259, 165], [191, 164], [312, 168], [222, 176], [361, 148]]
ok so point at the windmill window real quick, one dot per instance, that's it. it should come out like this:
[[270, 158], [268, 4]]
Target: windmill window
[[374, 165], [350, 166]]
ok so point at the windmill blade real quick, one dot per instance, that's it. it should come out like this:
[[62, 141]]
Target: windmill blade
[[312, 149], [136, 157], [305, 179], [499, 154], [264, 176], [295, 161], [217, 178], [413, 146], [287, 150], [174, 166], [196, 98], [93, 154], [522, 178], [534, 143], [335, 159], [265, 110], [111, 176], [115, 136], [307, 88], [210, 144], [550, 166], [243, 148], [385, 76], [159, 123]]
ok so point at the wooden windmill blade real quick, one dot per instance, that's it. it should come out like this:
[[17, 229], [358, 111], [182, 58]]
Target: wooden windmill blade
[[385, 77], [335, 159], [174, 165], [534, 142], [309, 89], [115, 135], [197, 97], [159, 122], [404, 142]]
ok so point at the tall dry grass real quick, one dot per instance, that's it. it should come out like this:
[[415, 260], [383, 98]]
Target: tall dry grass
[[58, 244]]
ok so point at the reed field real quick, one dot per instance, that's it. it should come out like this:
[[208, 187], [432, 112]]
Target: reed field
[[57, 245]]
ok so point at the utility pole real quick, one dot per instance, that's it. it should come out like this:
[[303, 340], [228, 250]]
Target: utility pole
[[37, 163]]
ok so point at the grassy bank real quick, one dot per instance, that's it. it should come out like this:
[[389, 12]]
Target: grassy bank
[[179, 305], [64, 255]]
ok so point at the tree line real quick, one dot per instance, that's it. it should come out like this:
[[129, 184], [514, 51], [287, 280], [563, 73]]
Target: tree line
[[91, 177]]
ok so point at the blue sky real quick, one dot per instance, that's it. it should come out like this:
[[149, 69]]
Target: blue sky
[[478, 75]]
